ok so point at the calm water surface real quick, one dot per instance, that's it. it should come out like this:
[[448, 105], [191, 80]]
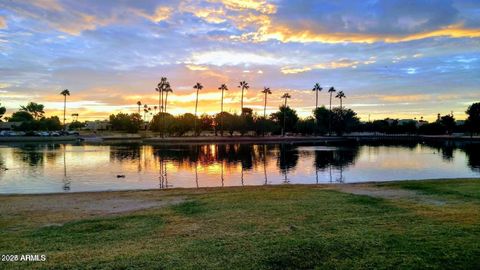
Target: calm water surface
[[46, 168]]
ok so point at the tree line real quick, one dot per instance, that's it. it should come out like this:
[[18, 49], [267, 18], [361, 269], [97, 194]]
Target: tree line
[[331, 120]]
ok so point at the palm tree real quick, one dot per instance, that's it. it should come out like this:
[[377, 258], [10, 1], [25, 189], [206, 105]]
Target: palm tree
[[139, 103], [266, 91], [167, 90], [145, 110], [160, 88], [64, 93], [75, 117], [155, 109], [199, 87], [223, 88], [341, 96], [331, 91], [285, 96], [317, 89], [243, 85]]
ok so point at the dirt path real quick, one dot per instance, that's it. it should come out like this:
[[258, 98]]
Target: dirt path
[[61, 208], [388, 193]]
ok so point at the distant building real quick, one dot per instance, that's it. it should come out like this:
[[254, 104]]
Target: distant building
[[460, 122], [9, 125], [97, 125]]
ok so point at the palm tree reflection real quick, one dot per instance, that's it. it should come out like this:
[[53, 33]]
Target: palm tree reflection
[[335, 158], [221, 174], [163, 177], [66, 180], [265, 163], [287, 160]]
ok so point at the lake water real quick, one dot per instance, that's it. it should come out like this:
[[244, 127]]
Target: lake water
[[47, 168]]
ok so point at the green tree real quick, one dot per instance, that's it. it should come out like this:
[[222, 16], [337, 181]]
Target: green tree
[[225, 119], [448, 121], [183, 124], [435, 128], [3, 110], [305, 126], [76, 125], [21, 116], [206, 122], [49, 124], [263, 125], [35, 109], [344, 120], [125, 122], [244, 123], [162, 122], [322, 116], [473, 120], [286, 114]]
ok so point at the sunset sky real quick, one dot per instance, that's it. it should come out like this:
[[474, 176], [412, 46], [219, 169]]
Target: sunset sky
[[401, 59]]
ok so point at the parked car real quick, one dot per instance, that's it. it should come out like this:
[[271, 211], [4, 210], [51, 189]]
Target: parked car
[[74, 133], [42, 133], [9, 133]]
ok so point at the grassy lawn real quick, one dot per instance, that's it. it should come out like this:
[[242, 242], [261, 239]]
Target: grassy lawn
[[275, 227]]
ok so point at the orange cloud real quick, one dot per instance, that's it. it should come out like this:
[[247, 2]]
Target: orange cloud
[[342, 63], [196, 67], [160, 14], [208, 14], [47, 4], [283, 33], [3, 23], [258, 5]]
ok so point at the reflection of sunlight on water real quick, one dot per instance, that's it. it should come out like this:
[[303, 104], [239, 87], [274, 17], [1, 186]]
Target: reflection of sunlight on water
[[37, 168]]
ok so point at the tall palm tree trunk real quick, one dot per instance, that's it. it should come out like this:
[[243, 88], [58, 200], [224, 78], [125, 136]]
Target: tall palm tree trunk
[[221, 121], [265, 107], [166, 98], [64, 111], [316, 99], [221, 106], [330, 117], [284, 116], [341, 103], [241, 103], [164, 115], [330, 101], [196, 106], [160, 103]]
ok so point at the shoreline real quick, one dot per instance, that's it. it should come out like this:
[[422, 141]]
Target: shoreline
[[239, 139], [17, 139], [192, 190]]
